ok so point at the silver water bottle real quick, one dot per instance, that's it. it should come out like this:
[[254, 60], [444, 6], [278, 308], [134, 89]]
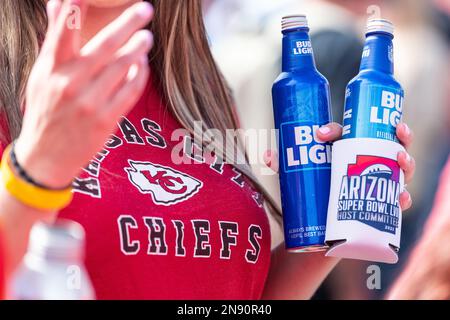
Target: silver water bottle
[[53, 267]]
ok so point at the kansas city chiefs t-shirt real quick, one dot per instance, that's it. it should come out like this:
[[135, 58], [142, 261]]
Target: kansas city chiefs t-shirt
[[160, 229]]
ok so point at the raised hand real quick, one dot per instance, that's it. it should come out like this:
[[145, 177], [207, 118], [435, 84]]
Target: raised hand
[[75, 94]]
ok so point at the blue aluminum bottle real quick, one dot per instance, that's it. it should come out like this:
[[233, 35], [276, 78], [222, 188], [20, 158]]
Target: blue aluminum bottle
[[374, 99], [301, 105]]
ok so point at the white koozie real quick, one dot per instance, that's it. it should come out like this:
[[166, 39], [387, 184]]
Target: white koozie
[[364, 214]]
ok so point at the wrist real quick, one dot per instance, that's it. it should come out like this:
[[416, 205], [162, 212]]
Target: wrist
[[19, 185], [40, 167]]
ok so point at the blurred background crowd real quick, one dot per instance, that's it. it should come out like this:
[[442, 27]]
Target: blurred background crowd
[[246, 40]]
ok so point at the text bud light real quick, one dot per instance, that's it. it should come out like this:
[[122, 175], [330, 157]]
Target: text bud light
[[303, 47], [305, 150], [365, 216], [301, 106], [390, 110]]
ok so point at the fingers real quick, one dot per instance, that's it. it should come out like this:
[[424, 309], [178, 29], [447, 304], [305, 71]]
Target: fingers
[[112, 77], [404, 134], [53, 10], [405, 200], [271, 160], [63, 36], [130, 91], [329, 132], [407, 164], [102, 48]]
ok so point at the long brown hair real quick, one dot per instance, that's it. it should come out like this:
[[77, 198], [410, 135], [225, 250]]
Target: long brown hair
[[181, 62], [22, 27]]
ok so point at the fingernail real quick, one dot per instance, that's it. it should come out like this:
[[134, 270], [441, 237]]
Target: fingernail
[[145, 10], [407, 130], [51, 4], [324, 130], [148, 37]]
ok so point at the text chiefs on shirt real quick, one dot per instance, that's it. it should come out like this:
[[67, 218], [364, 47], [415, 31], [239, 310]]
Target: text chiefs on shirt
[[157, 244]]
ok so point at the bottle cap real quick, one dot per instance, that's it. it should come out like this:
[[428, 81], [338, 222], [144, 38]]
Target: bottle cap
[[293, 22], [379, 25]]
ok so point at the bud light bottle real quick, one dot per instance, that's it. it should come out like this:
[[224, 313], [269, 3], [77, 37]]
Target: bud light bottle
[[364, 215], [374, 99], [53, 267], [301, 105]]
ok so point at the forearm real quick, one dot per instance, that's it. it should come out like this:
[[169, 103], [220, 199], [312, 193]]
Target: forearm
[[16, 221], [427, 272], [296, 275]]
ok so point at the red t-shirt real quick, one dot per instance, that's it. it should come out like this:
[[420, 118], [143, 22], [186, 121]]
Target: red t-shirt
[[2, 272], [160, 230]]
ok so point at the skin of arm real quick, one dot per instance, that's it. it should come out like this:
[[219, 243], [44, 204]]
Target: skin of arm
[[427, 272], [296, 276], [16, 221]]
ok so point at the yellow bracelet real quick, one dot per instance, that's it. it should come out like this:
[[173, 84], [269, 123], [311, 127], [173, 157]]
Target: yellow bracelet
[[29, 194]]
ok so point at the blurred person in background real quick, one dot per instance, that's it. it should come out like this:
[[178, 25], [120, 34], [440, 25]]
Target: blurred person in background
[[427, 272], [442, 17], [246, 41]]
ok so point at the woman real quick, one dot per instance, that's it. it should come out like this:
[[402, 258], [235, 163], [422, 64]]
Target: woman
[[155, 228]]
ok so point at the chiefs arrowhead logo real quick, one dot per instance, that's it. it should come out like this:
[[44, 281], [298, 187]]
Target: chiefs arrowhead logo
[[166, 185]]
